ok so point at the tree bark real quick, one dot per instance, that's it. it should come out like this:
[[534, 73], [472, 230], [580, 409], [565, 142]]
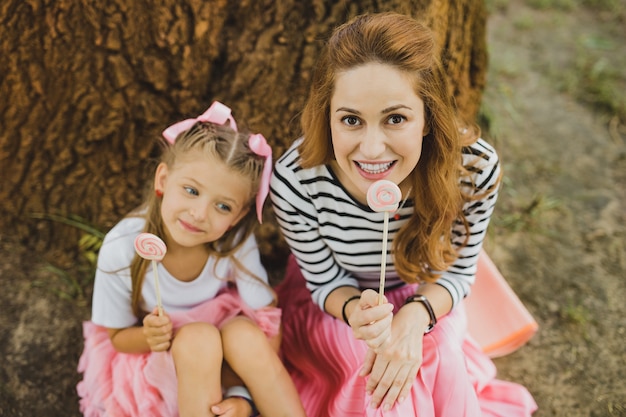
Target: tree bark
[[87, 87]]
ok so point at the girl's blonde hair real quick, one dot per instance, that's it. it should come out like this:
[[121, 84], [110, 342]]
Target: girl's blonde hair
[[214, 141], [423, 245]]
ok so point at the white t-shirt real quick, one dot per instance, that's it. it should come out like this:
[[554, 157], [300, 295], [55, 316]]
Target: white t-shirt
[[113, 286]]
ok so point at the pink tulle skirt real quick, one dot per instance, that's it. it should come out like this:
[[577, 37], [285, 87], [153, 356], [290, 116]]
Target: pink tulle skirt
[[456, 378], [121, 385]]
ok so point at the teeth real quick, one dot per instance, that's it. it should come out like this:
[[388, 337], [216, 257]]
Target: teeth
[[375, 168]]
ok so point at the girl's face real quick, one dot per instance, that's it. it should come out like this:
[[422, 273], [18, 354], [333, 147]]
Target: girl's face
[[202, 199], [377, 125]]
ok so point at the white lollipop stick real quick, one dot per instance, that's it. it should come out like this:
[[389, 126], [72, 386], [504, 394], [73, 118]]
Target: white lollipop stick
[[151, 247], [383, 196]]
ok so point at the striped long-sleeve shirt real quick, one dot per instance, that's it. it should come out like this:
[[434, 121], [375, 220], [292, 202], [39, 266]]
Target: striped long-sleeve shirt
[[337, 241]]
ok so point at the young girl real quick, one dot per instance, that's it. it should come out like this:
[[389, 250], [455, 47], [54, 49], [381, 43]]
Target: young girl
[[379, 108], [214, 350]]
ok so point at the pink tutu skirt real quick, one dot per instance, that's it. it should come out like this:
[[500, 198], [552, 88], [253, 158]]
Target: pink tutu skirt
[[121, 384], [456, 379]]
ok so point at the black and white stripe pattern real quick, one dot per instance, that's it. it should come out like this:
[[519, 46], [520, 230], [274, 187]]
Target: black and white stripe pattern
[[337, 240]]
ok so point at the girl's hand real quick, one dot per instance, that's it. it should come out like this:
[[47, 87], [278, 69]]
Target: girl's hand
[[393, 367], [158, 331], [232, 407], [372, 322]]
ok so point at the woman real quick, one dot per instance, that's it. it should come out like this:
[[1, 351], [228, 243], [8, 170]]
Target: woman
[[378, 108]]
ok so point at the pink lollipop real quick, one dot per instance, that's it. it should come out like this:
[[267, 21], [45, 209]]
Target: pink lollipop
[[383, 196], [151, 247]]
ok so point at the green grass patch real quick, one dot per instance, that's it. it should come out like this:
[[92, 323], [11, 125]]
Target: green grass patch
[[72, 284]]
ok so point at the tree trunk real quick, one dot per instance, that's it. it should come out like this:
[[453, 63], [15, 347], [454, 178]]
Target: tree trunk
[[87, 87]]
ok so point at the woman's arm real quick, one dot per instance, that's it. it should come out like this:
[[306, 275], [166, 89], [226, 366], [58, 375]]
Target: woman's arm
[[439, 299], [342, 301], [393, 367], [299, 220]]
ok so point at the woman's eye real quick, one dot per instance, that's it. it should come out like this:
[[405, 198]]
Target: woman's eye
[[396, 119], [351, 120], [224, 207], [191, 190]]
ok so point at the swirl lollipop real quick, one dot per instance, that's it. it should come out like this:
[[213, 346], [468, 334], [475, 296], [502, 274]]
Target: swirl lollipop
[[383, 196], [151, 247]]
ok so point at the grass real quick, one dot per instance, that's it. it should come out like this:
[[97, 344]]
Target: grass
[[528, 216], [69, 286], [596, 76]]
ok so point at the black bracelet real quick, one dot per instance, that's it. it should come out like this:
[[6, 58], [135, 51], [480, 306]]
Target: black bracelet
[[343, 309], [419, 298]]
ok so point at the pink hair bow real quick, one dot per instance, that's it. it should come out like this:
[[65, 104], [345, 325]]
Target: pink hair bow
[[219, 114], [259, 146]]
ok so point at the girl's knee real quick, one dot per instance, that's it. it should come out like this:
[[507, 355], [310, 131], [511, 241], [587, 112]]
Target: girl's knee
[[196, 336], [241, 333], [241, 328]]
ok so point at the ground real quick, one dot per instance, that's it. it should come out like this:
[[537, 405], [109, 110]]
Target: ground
[[559, 234]]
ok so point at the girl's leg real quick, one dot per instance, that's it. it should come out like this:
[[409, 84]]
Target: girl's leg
[[255, 360], [197, 354]]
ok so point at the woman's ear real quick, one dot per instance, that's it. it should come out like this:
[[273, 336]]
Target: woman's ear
[[160, 177]]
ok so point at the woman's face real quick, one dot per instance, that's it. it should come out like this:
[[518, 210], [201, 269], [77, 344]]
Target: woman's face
[[202, 199], [377, 125]]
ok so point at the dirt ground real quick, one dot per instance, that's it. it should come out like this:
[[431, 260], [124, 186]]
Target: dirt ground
[[559, 235]]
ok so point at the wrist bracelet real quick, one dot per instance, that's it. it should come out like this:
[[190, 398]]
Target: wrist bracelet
[[239, 391], [419, 298], [345, 304]]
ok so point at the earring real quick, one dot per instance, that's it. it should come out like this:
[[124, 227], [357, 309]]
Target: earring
[[158, 193]]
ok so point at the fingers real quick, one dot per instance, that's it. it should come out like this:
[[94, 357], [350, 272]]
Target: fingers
[[372, 323], [369, 298], [390, 376], [394, 386], [368, 363], [375, 333], [232, 407], [390, 382], [377, 371], [157, 331], [406, 388]]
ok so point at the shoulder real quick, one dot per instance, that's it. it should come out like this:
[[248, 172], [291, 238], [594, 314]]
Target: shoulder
[[482, 164], [288, 165], [250, 244], [118, 246], [480, 152], [292, 183], [291, 157]]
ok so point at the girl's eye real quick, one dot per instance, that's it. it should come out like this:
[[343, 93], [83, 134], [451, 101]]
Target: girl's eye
[[191, 190], [396, 119], [224, 207], [351, 120]]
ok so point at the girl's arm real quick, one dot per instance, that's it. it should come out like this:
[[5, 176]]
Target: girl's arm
[[154, 336], [254, 290]]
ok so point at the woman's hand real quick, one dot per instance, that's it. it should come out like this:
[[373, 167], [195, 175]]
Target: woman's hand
[[372, 322], [158, 331], [232, 407], [393, 366]]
